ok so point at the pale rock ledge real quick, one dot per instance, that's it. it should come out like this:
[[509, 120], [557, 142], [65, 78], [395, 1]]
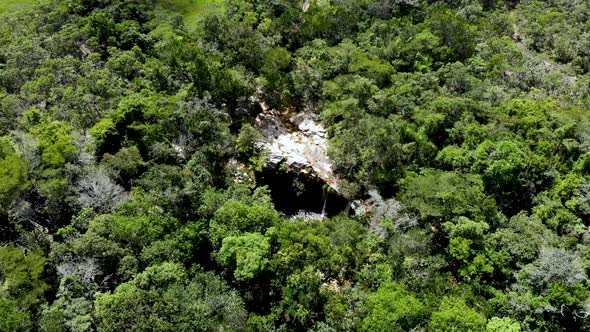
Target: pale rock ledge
[[297, 142]]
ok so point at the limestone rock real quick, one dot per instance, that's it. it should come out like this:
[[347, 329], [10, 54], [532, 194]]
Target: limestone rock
[[298, 143]]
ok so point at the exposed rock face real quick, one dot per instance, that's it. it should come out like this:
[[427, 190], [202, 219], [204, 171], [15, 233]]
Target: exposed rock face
[[270, 125], [298, 168], [297, 143]]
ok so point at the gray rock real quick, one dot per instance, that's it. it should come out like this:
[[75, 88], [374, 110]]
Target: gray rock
[[297, 143], [270, 125]]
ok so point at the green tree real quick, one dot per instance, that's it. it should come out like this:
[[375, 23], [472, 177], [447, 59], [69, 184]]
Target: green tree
[[52, 176], [72, 310], [21, 275], [377, 159], [437, 195], [455, 33], [13, 173], [394, 308], [12, 318], [234, 218], [505, 324], [466, 244], [338, 247], [248, 255], [556, 279], [519, 241], [301, 304], [275, 68], [453, 314], [564, 206], [164, 298]]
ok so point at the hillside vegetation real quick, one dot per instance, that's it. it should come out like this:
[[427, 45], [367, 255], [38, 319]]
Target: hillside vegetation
[[192, 10], [131, 173], [8, 6]]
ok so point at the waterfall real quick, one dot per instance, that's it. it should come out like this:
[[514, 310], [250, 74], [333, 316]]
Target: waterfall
[[348, 206], [325, 198]]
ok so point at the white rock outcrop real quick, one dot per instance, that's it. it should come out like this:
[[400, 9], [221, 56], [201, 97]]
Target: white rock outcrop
[[297, 142]]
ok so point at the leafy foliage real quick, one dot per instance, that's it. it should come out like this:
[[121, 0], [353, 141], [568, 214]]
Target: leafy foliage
[[161, 298], [131, 166]]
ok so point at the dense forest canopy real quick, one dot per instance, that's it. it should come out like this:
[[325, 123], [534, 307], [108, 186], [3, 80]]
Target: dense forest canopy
[[465, 124]]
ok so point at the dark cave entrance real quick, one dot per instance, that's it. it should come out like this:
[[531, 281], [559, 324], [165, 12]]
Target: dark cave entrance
[[292, 193]]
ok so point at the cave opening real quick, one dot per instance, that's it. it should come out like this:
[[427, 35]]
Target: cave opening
[[295, 193]]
